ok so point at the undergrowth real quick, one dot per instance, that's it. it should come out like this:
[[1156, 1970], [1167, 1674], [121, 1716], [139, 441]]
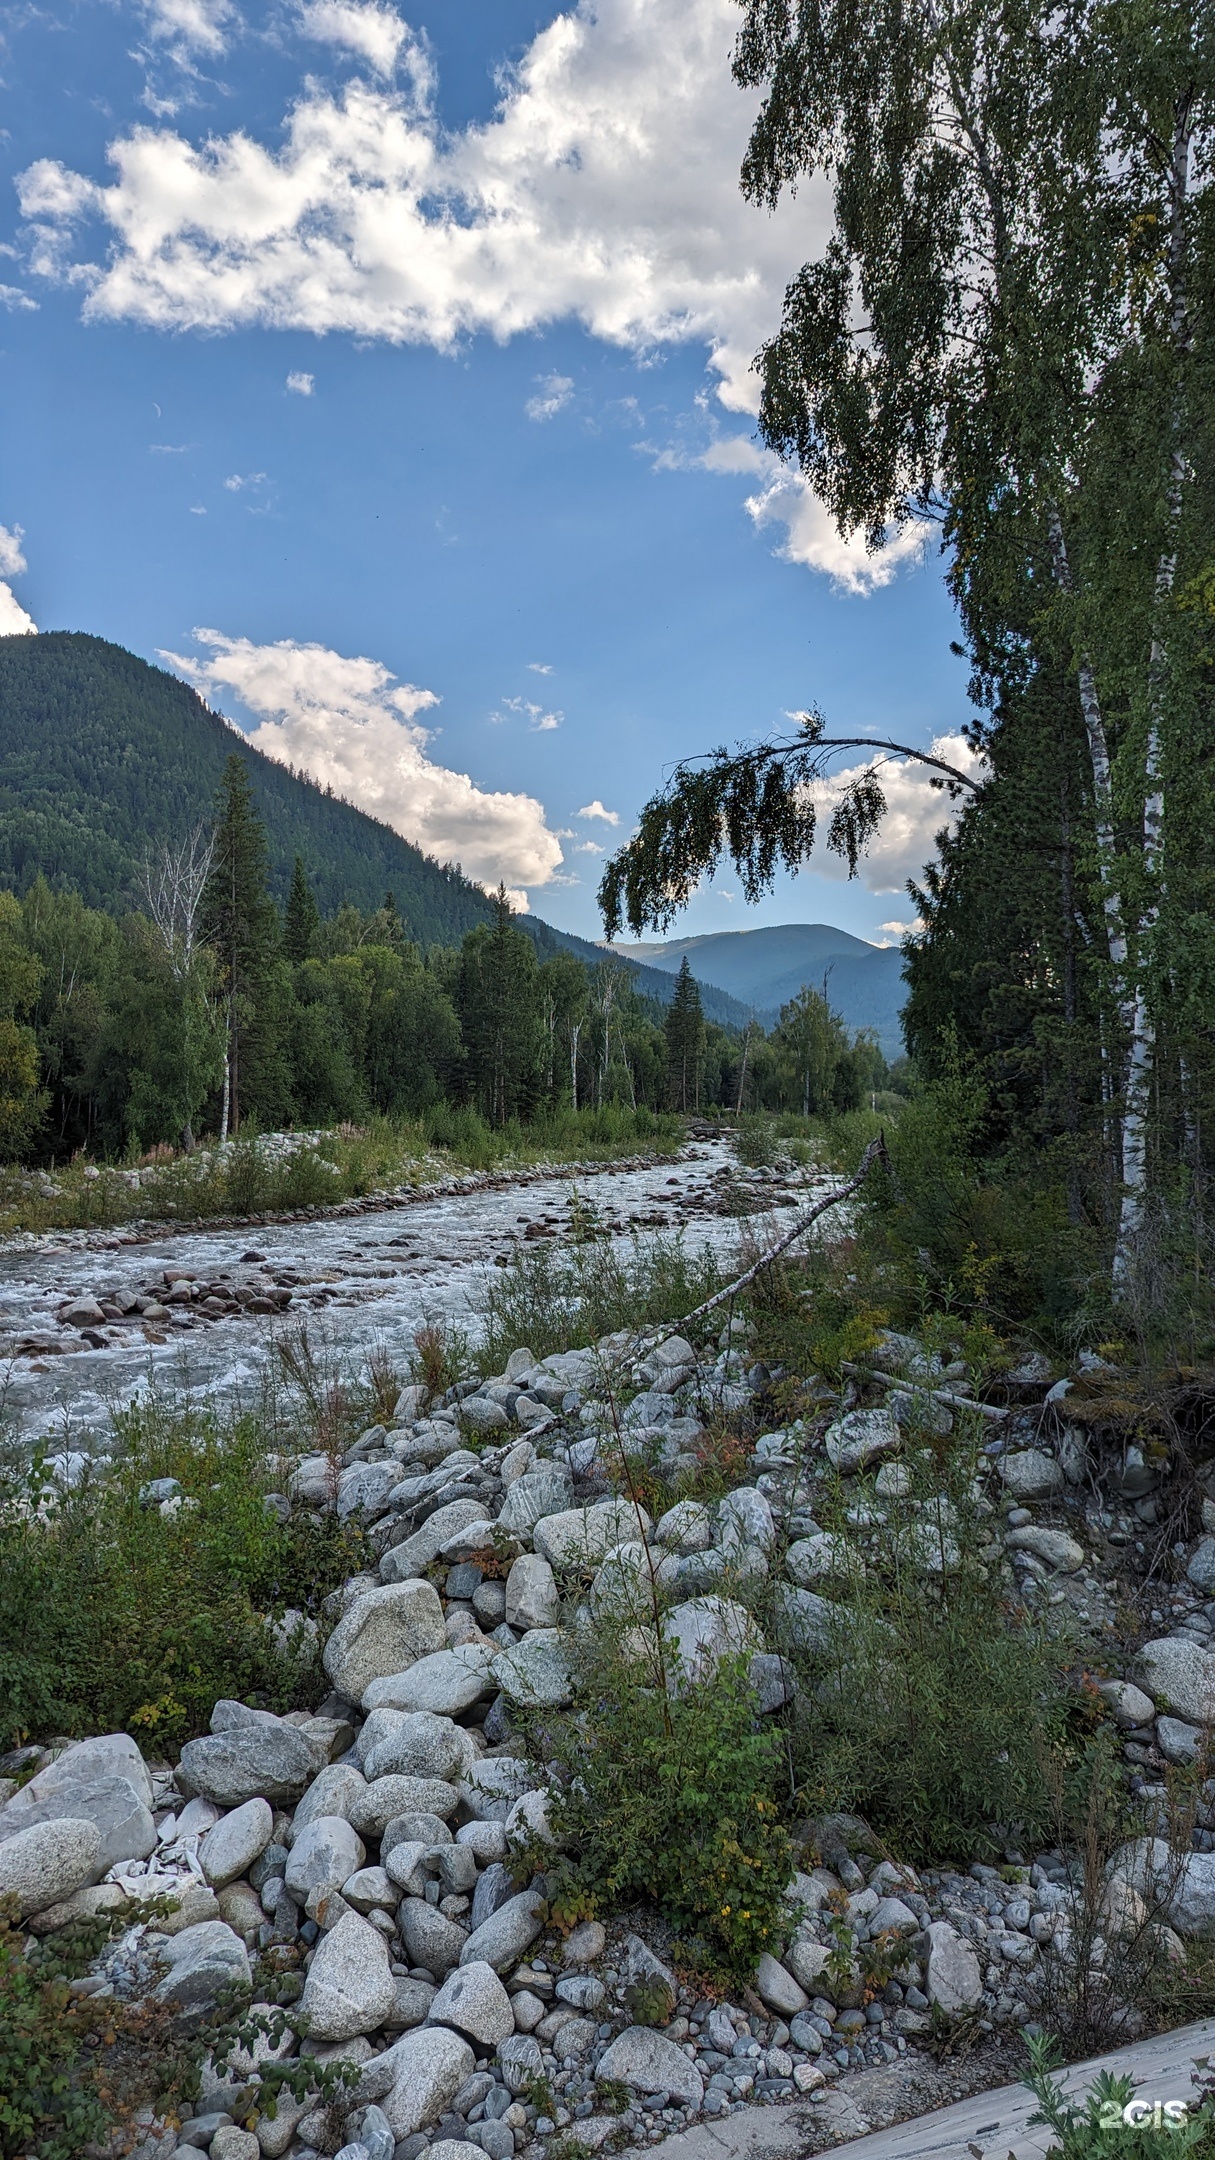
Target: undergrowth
[[563, 1297]]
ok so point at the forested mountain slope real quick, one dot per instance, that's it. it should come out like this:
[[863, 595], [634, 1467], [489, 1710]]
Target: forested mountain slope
[[764, 968]]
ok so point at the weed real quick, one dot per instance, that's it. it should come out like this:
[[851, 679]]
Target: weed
[[560, 1298], [612, 2096]]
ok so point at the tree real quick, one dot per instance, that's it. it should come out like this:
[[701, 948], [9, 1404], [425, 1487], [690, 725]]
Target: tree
[[497, 1000], [22, 1102], [302, 919], [241, 923], [810, 1044], [175, 881], [685, 1033]]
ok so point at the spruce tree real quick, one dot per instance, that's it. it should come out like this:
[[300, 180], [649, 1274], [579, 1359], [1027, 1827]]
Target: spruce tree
[[685, 1033], [303, 918], [240, 917], [498, 1002]]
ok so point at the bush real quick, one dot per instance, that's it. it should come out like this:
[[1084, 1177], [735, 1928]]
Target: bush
[[668, 1794], [562, 1297], [114, 1616], [1099, 2129]]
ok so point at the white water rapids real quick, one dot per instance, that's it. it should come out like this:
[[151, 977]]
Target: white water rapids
[[362, 1283]]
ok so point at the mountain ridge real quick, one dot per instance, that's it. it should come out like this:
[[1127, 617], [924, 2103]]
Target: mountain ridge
[[763, 968]]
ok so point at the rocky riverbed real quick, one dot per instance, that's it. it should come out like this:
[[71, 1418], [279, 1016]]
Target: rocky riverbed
[[89, 1320]]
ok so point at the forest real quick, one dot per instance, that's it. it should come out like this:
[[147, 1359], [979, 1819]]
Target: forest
[[209, 1010]]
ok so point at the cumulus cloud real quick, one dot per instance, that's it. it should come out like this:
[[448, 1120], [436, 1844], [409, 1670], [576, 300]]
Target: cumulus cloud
[[596, 810], [14, 622], [350, 724], [376, 34], [554, 395], [915, 814], [301, 383], [604, 189], [16, 301], [236, 481]]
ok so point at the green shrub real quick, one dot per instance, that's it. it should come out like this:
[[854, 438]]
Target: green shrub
[[562, 1297], [668, 1795], [1097, 2129], [114, 1616]]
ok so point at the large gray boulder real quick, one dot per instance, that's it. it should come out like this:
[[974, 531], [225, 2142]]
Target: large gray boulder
[[350, 1987], [954, 1982], [429, 2066], [364, 1487], [746, 1531], [407, 1560], [1179, 1675], [339, 1789], [204, 1962], [446, 1683], [385, 1631], [413, 1743], [651, 2063], [124, 1825], [430, 1938], [1031, 1474], [532, 1598], [323, 1856], [805, 1621], [88, 1762], [261, 1758], [544, 1491], [492, 1786], [580, 1538], [237, 1840], [860, 1438], [702, 1632], [474, 2001], [388, 1796], [501, 1940], [537, 1670], [45, 1862]]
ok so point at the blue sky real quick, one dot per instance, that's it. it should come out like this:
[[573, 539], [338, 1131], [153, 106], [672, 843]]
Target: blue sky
[[406, 358]]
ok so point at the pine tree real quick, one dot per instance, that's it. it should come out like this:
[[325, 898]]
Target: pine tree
[[241, 919], [685, 1033], [303, 918]]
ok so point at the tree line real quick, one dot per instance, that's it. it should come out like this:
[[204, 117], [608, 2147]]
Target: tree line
[[209, 1008]]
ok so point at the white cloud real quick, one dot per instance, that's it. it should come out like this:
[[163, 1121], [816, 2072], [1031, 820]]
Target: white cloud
[[188, 27], [811, 537], [352, 726], [12, 555], [604, 189], [539, 667], [915, 814], [902, 929], [596, 810], [236, 481], [555, 394], [14, 622], [376, 34], [12, 297], [301, 383], [539, 721]]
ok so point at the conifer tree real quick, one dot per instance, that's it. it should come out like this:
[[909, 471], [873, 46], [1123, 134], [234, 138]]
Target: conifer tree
[[685, 1033], [498, 1002], [303, 917], [241, 922]]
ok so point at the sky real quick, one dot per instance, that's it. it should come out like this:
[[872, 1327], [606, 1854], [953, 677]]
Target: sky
[[389, 377]]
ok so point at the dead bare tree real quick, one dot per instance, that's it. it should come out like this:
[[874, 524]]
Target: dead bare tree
[[174, 881]]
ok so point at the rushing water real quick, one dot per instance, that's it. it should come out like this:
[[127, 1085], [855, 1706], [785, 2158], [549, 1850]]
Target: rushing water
[[362, 1283]]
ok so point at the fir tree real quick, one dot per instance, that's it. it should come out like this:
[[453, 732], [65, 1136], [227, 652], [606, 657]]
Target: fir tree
[[685, 1033], [303, 918], [241, 920], [498, 1002]]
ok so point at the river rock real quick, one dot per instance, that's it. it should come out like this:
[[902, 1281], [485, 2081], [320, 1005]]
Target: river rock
[[203, 1962], [448, 1682], [536, 1671], [430, 1938], [1128, 1705], [540, 1492], [264, 1759], [745, 1530], [778, 1990], [495, 1887], [501, 1940], [237, 1840], [1201, 1568], [1180, 1676], [809, 1622], [337, 1790], [413, 1743], [350, 1986], [323, 1856], [124, 1825], [429, 2066], [44, 1862], [385, 1631], [1030, 1474], [1053, 1547], [685, 1528], [582, 1537], [401, 1562], [388, 1796], [532, 1597], [860, 1438], [364, 1487], [651, 2063], [474, 2001], [827, 1557], [370, 1887], [954, 1980], [1179, 1743], [703, 1631]]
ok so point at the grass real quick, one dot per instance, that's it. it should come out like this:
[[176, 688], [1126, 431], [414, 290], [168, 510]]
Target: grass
[[254, 1177], [565, 1297]]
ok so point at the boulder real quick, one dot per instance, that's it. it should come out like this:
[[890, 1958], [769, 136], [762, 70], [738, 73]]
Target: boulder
[[746, 1532], [338, 1790], [350, 1986], [385, 1631], [45, 1862], [1190, 1895], [493, 1785], [807, 1960], [413, 1743], [388, 1796], [580, 1538], [121, 1818], [430, 1938], [474, 2001], [89, 1762], [540, 1492], [204, 1961], [778, 1990], [1128, 1705], [364, 1487], [536, 1671], [954, 1981], [265, 1759], [237, 1840], [700, 1633], [521, 2060], [501, 1940], [407, 1560], [651, 2063], [428, 2068], [827, 1557], [1030, 1474], [1201, 1567], [532, 1598], [1054, 1548], [860, 1438], [773, 1680], [448, 1682], [495, 1886], [370, 1887], [809, 1622], [323, 1856], [1179, 1743], [1179, 1675], [477, 1414], [685, 1528]]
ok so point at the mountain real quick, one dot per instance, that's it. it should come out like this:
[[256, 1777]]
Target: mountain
[[764, 968], [103, 755]]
